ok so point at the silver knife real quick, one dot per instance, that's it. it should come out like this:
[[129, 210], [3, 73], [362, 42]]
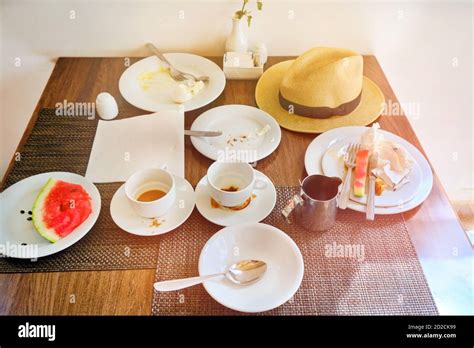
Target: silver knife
[[370, 209], [196, 133]]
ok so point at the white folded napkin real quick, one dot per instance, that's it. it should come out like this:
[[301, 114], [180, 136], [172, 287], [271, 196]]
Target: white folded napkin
[[125, 146], [394, 162], [238, 60], [391, 177]]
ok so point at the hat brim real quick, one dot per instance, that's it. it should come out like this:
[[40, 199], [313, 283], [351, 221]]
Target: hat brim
[[266, 95]]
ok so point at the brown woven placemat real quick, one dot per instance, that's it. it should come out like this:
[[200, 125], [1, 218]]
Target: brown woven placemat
[[388, 280], [63, 143]]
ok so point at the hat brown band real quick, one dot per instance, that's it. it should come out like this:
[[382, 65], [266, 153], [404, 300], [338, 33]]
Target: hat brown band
[[319, 111]]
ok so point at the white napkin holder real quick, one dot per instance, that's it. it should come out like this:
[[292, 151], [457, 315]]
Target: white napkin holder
[[243, 66]]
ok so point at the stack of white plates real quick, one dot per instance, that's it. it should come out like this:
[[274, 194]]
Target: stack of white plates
[[325, 156]]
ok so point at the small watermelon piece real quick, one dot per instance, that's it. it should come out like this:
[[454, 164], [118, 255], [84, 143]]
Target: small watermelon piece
[[59, 208], [362, 161]]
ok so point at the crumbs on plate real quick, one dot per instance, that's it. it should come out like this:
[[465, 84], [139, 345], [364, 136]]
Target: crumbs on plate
[[155, 223], [232, 139]]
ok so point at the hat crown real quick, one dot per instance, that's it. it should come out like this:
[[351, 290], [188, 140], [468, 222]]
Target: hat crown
[[324, 77]]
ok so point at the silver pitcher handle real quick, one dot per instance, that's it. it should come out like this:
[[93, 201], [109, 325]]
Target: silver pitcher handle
[[290, 206]]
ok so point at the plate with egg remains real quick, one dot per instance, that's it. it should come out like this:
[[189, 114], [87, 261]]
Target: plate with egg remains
[[248, 134], [148, 85]]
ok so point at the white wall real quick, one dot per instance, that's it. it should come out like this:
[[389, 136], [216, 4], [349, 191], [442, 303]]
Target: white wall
[[424, 47]]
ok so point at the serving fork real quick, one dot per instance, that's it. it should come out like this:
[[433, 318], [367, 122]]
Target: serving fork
[[349, 161], [176, 74]]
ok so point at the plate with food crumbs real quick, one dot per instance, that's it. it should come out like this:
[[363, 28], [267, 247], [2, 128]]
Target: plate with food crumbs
[[128, 220], [256, 208], [328, 145], [248, 134], [148, 85], [390, 195]]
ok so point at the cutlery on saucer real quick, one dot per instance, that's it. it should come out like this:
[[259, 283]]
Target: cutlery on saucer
[[196, 133], [243, 273], [349, 161], [176, 74]]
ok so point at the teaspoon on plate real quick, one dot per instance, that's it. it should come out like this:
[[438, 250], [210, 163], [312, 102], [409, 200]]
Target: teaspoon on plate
[[243, 273]]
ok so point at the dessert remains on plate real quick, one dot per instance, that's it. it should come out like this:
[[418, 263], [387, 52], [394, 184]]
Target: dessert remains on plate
[[181, 92], [187, 90], [392, 163]]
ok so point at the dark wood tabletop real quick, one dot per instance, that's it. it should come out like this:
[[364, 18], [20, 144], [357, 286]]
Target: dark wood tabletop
[[440, 242]]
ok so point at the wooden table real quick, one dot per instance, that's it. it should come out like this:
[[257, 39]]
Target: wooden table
[[440, 242]]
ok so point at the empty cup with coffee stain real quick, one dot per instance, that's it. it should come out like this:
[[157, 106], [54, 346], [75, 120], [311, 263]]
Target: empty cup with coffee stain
[[232, 184], [151, 192], [315, 207]]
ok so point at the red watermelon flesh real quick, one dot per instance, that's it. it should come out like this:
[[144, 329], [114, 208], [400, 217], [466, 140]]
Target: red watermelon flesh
[[362, 160], [59, 208]]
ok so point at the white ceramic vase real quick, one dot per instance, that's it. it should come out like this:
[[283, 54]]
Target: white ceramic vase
[[237, 40]]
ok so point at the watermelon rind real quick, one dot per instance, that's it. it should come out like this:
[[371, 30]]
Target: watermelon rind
[[38, 205]]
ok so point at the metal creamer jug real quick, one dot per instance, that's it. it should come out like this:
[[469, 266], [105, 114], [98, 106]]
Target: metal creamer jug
[[315, 207]]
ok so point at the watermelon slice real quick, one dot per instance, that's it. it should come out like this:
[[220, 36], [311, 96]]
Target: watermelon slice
[[362, 160], [59, 208]]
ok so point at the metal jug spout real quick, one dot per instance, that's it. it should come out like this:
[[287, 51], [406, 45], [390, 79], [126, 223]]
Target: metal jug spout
[[320, 187]]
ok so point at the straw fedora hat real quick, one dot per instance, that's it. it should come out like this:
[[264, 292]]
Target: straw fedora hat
[[324, 88]]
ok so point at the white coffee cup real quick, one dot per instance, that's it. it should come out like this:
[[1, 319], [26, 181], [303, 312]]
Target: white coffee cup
[[222, 176], [146, 180]]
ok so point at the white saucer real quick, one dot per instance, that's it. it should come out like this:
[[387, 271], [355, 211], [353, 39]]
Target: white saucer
[[128, 220], [258, 209], [256, 241], [18, 236], [240, 125], [159, 95], [318, 147]]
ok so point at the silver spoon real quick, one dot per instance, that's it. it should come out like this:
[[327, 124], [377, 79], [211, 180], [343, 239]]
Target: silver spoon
[[243, 273]]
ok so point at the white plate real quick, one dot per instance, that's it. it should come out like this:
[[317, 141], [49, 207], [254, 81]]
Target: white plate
[[15, 229], [333, 165], [317, 148], [256, 211], [257, 241], [128, 220], [159, 95], [240, 125]]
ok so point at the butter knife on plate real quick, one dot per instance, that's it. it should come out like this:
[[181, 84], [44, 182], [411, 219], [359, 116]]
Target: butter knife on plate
[[196, 133], [370, 209]]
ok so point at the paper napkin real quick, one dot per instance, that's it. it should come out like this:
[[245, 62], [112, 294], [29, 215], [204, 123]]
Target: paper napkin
[[122, 147], [389, 176]]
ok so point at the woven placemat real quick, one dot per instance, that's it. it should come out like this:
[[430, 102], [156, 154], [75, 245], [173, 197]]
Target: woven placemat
[[386, 280], [63, 143]]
